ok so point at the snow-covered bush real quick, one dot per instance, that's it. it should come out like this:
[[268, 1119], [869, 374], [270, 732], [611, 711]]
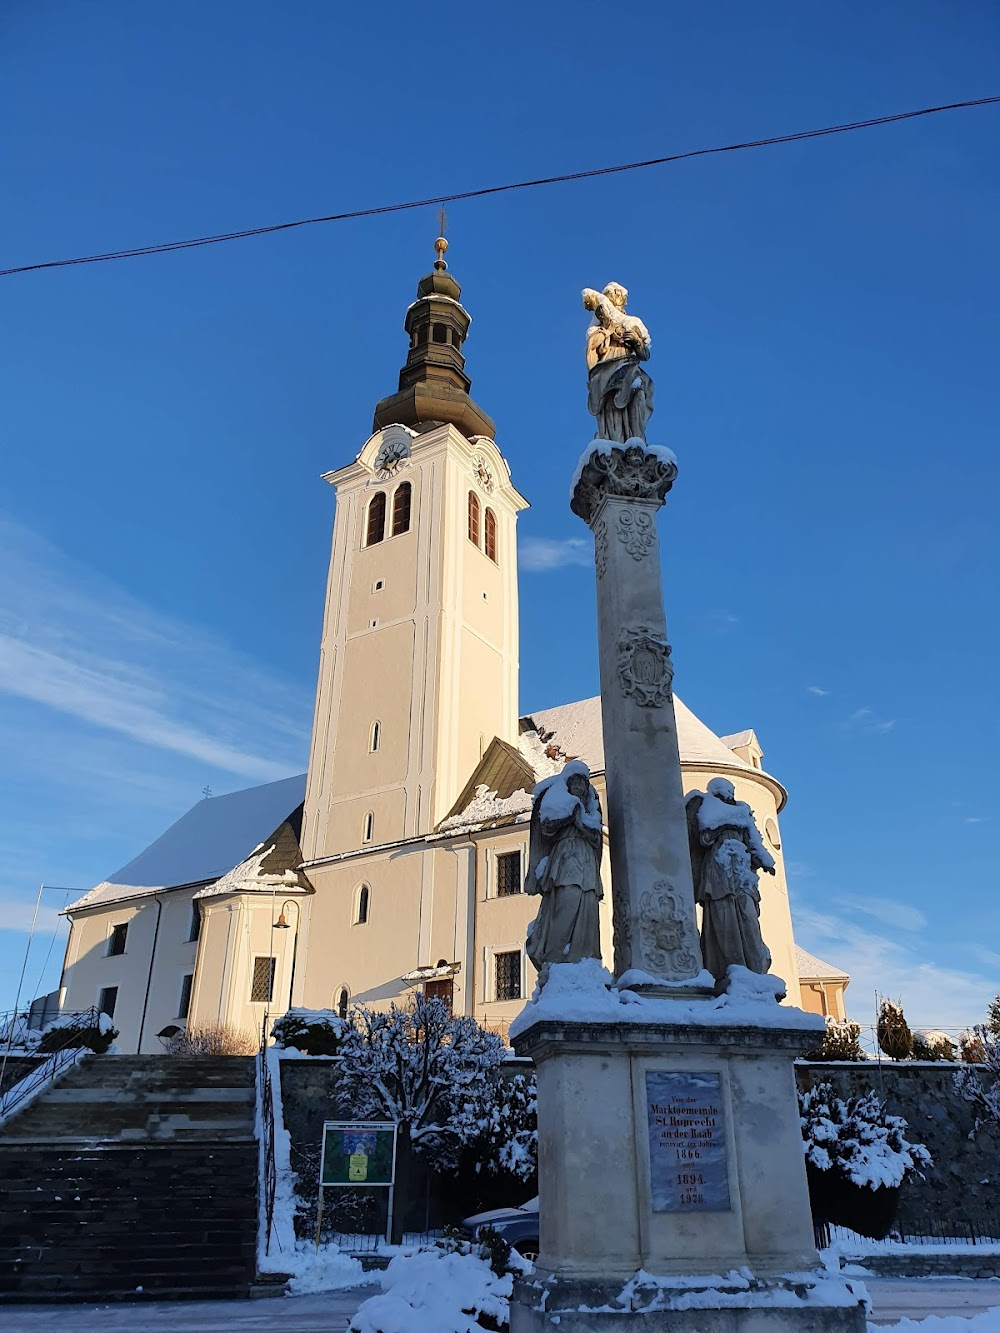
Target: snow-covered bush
[[978, 1081], [993, 1016], [500, 1126], [894, 1035], [214, 1039], [857, 1157], [419, 1066], [971, 1049], [932, 1045], [450, 1289], [858, 1136], [87, 1030], [315, 1031], [841, 1041]]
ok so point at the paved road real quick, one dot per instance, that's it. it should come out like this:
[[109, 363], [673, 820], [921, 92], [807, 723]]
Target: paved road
[[329, 1313], [892, 1299], [914, 1298]]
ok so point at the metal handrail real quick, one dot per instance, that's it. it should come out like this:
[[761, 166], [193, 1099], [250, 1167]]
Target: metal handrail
[[57, 1061], [270, 1169]]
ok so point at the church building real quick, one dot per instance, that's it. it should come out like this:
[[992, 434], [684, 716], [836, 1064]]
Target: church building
[[396, 863]]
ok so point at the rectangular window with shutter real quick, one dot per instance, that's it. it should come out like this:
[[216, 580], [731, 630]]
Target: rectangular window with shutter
[[185, 1003], [508, 975], [116, 941], [262, 986], [508, 874]]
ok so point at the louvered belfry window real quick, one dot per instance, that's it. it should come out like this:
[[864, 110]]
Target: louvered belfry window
[[401, 503], [376, 519], [474, 518]]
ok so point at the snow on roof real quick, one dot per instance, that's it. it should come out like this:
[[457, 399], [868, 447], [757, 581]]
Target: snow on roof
[[576, 728], [812, 968], [747, 737], [214, 836]]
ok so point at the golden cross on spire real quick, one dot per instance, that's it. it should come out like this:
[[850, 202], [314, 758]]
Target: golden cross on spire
[[441, 245]]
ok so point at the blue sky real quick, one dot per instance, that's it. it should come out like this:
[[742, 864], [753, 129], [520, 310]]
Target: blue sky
[[825, 349]]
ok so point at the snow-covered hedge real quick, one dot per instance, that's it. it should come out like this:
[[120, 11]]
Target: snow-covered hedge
[[858, 1137], [978, 1082], [314, 1031]]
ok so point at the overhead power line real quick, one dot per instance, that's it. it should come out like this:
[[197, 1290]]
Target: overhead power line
[[168, 247]]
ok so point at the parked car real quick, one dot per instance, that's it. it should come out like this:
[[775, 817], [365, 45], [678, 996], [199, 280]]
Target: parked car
[[518, 1227]]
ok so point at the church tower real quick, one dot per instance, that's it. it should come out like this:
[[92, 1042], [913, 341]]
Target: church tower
[[419, 655]]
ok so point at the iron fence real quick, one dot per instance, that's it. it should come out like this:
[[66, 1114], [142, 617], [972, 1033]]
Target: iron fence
[[63, 1050], [269, 1167], [980, 1228]]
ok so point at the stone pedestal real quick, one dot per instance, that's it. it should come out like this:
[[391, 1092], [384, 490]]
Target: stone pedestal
[[673, 1150], [618, 490]]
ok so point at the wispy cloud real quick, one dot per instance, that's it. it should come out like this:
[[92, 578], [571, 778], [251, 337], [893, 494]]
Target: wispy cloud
[[890, 911], [18, 915], [539, 554], [81, 647], [865, 719], [933, 996], [817, 690], [721, 620], [974, 819]]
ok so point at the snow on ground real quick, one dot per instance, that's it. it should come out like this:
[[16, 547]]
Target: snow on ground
[[986, 1322], [431, 1291], [325, 1269]]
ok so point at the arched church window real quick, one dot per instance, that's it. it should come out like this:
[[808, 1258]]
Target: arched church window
[[474, 518], [490, 532], [439, 333], [376, 519], [343, 1000], [362, 902], [368, 831], [374, 736], [401, 503]]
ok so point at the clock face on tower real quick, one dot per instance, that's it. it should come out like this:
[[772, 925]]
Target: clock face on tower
[[389, 457]]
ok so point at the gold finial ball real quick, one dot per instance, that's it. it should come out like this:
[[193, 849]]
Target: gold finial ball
[[440, 245]]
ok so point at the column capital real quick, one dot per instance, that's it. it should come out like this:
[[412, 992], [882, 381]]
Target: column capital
[[634, 471]]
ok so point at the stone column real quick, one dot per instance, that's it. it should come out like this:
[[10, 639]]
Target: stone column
[[618, 490]]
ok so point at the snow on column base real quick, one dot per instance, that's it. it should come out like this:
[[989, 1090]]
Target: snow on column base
[[814, 1301]]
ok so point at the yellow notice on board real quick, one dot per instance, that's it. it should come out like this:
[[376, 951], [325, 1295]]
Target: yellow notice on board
[[357, 1166]]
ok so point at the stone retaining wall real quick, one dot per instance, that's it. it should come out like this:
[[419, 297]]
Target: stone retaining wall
[[963, 1185], [956, 1263]]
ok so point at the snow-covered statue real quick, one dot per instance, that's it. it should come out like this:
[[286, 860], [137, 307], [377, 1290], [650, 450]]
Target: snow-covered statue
[[564, 867], [726, 853], [620, 393]]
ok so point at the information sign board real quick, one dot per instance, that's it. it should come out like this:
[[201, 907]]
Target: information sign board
[[357, 1153], [687, 1143]]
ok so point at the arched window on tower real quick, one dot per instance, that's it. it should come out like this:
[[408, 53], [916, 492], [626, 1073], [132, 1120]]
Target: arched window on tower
[[490, 532], [368, 830], [374, 736], [401, 503], [362, 902], [439, 333], [474, 518], [375, 531], [343, 1000]]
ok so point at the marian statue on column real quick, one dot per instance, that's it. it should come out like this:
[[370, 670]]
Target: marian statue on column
[[620, 393]]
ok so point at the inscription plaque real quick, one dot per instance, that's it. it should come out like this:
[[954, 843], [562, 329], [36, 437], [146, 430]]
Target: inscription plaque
[[687, 1143]]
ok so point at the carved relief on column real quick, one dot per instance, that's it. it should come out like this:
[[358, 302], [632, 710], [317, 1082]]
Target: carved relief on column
[[632, 471], [636, 532], [644, 666], [665, 944], [601, 548]]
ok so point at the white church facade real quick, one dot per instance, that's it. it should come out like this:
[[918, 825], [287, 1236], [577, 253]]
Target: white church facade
[[396, 863]]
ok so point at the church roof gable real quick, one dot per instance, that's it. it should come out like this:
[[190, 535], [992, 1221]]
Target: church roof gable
[[503, 770], [811, 968], [576, 728], [214, 836]]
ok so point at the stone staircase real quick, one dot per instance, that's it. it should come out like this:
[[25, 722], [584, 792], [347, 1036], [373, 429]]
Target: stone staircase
[[132, 1177]]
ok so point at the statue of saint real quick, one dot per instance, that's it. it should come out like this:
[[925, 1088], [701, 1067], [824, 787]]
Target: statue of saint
[[620, 393], [726, 853], [564, 867]]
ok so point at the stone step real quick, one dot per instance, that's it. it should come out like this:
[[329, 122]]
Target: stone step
[[64, 1094]]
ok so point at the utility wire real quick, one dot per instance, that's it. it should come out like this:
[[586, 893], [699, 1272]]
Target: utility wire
[[168, 247]]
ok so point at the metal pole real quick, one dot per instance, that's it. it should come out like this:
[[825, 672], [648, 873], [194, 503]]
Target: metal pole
[[17, 1000]]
